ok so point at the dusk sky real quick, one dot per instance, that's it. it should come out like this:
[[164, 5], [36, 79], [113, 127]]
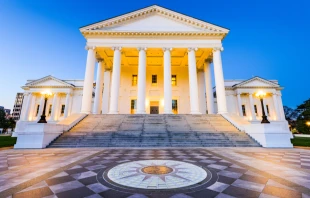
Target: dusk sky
[[267, 38]]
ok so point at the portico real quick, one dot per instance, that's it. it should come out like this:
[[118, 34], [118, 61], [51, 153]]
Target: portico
[[161, 63], [153, 46]]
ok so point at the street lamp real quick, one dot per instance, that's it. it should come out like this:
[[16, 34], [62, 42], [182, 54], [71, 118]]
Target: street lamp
[[308, 123], [261, 96], [46, 94]]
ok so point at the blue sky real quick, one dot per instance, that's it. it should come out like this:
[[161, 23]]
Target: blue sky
[[267, 38]]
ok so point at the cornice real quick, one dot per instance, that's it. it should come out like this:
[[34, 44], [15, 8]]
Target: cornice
[[49, 87], [33, 83], [254, 87], [272, 85], [126, 34]]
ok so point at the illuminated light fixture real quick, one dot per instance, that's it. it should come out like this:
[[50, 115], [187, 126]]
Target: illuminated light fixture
[[162, 102], [261, 95], [46, 94], [147, 102]]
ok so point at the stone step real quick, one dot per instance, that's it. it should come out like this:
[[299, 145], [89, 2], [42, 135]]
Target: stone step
[[153, 131]]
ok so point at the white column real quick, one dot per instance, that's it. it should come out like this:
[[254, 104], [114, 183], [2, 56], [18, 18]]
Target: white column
[[276, 106], [24, 106], [219, 81], [141, 81], [41, 107], [88, 81], [239, 104], [68, 96], [116, 74], [167, 81], [99, 86], [193, 85], [265, 108], [27, 107], [106, 92], [201, 92], [54, 104], [281, 110], [209, 90], [252, 107]]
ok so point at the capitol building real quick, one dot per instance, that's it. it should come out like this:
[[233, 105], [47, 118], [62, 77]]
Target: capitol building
[[152, 61]]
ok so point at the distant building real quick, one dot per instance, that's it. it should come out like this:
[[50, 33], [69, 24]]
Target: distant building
[[17, 106], [1, 107]]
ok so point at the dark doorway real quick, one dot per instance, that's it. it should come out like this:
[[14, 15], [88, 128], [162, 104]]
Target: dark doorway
[[154, 109]]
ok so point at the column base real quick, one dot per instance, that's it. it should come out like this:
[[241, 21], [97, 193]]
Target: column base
[[113, 112], [222, 112], [86, 112], [141, 112], [195, 112]]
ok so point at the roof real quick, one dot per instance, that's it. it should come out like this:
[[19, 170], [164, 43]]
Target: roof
[[142, 14]]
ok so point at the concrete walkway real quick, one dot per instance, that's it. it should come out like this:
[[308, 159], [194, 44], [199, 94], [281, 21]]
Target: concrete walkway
[[250, 172]]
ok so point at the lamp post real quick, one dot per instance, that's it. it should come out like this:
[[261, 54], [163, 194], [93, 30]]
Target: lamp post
[[46, 94], [261, 96], [308, 124]]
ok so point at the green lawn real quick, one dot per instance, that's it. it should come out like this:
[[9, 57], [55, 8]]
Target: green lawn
[[7, 141], [301, 141]]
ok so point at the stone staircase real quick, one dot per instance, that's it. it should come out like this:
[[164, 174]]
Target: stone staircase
[[154, 131]]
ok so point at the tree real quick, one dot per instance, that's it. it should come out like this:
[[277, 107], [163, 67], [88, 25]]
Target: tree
[[304, 117], [11, 123], [3, 121]]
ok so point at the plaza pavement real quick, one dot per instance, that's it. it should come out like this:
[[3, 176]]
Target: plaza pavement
[[242, 172]]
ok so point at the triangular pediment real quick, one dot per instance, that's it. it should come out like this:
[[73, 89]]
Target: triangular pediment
[[154, 18], [257, 82], [153, 23], [49, 81]]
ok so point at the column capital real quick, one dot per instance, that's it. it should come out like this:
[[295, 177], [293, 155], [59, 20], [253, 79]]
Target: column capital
[[69, 93], [274, 93], [117, 48], [192, 49], [218, 49], [208, 60], [100, 60], [90, 47], [238, 92], [142, 48], [167, 48]]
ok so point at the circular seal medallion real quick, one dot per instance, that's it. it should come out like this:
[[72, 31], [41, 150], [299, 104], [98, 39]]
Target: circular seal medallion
[[157, 174], [157, 170]]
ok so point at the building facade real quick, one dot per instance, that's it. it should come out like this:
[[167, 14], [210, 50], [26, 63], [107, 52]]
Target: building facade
[[153, 61], [17, 106], [67, 99]]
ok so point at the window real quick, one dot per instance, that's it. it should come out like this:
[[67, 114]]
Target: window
[[267, 108], [62, 110], [50, 110], [154, 80], [134, 80], [38, 108], [255, 110], [174, 80], [243, 110], [133, 106], [175, 106]]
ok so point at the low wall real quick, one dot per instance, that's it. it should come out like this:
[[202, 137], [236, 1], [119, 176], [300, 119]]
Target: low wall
[[273, 135], [40, 135], [302, 135]]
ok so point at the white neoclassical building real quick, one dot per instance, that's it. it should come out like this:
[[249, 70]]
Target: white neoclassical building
[[156, 61]]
